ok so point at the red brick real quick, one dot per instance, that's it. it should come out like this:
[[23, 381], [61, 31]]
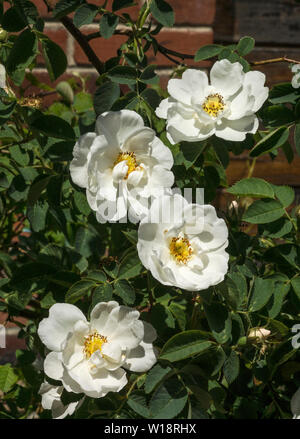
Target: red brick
[[132, 11], [105, 49], [194, 11], [179, 39], [184, 41]]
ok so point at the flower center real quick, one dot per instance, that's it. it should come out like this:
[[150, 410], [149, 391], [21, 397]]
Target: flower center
[[93, 342], [213, 105], [130, 159], [180, 249]]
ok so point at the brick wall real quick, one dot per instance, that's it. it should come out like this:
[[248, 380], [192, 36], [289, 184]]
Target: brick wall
[[193, 29]]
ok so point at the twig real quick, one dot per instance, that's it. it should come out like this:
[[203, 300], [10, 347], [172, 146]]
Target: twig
[[274, 60], [81, 40]]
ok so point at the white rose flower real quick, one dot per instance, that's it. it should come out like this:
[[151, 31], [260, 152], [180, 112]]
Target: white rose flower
[[296, 78], [88, 357], [51, 401], [295, 404], [122, 162], [226, 107], [188, 249]]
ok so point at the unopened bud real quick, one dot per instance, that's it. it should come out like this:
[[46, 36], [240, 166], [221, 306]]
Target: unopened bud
[[259, 333], [3, 34]]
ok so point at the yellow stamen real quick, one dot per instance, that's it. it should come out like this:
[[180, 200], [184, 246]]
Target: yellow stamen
[[130, 159], [180, 249], [213, 105], [93, 343]]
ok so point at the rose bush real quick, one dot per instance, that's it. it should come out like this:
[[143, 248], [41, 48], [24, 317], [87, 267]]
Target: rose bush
[[190, 309]]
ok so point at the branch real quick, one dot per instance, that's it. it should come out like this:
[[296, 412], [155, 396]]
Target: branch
[[274, 60], [83, 43], [81, 40]]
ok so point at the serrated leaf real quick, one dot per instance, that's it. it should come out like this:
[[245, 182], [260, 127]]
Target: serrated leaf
[[262, 291], [125, 291], [162, 12], [85, 14], [105, 96], [120, 4], [184, 345], [231, 367], [123, 75], [245, 45], [55, 59], [53, 126], [219, 321], [130, 266], [285, 194], [263, 211], [270, 142], [8, 378], [168, 400], [208, 51], [78, 290], [252, 187], [102, 293], [155, 376], [108, 24]]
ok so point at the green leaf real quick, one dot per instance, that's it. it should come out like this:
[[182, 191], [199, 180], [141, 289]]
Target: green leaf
[[231, 367], [13, 21], [108, 24], [65, 7], [22, 55], [85, 14], [37, 187], [162, 12], [149, 76], [219, 321], [277, 115], [270, 142], [83, 102], [55, 59], [102, 293], [151, 97], [78, 290], [275, 304], [97, 276], [53, 126], [123, 75], [168, 400], [7, 378], [184, 345], [296, 286], [285, 194], [297, 138], [120, 4], [221, 151], [105, 96], [125, 291], [276, 229], [191, 151], [37, 214], [138, 403], [262, 291], [245, 45], [252, 187], [208, 51], [130, 266], [155, 376], [81, 203], [263, 211]]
